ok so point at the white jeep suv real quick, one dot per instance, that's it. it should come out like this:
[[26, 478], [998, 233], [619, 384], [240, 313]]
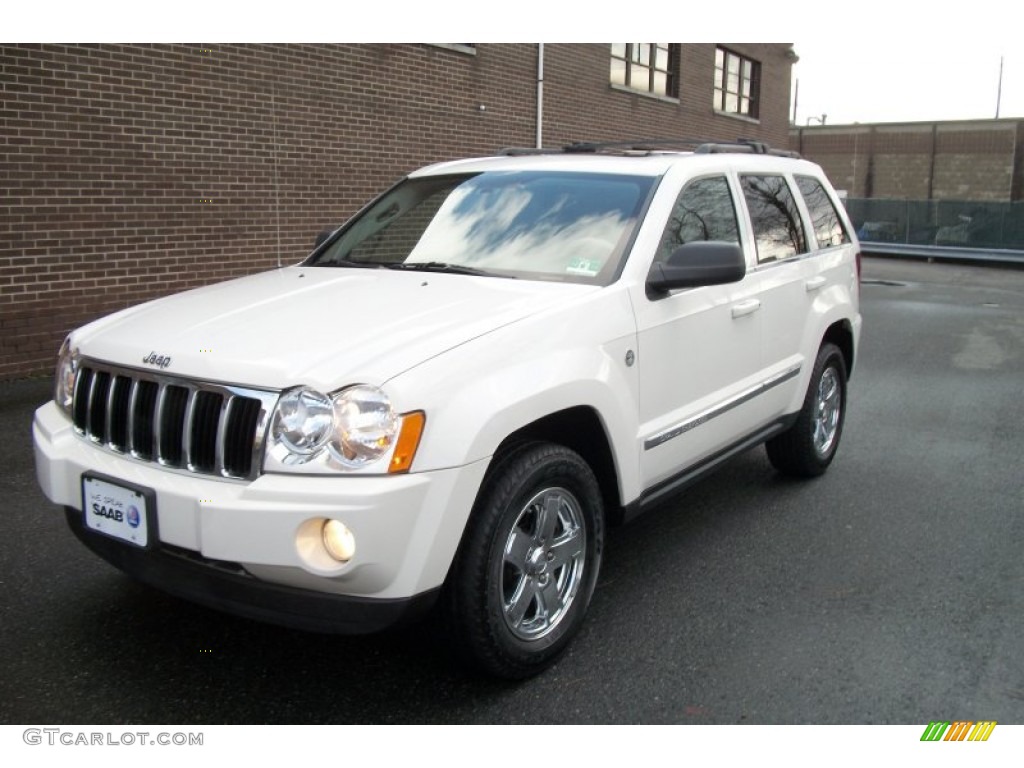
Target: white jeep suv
[[455, 393]]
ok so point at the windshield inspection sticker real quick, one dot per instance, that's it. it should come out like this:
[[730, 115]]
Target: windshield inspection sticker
[[585, 267]]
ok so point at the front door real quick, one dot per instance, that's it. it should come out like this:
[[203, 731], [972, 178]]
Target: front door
[[699, 348]]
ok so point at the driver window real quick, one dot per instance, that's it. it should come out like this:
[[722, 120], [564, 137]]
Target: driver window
[[704, 211]]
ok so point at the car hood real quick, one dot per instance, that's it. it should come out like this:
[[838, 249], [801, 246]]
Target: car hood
[[323, 327]]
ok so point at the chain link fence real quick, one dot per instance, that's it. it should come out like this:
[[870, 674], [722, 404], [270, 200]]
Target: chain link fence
[[955, 223]]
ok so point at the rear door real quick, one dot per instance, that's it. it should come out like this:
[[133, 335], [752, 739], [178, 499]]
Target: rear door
[[785, 275]]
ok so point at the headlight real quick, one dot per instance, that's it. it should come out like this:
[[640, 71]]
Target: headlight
[[303, 421], [353, 429], [67, 371], [365, 426]]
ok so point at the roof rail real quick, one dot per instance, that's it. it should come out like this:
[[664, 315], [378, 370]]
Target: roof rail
[[751, 146], [699, 146], [588, 147], [611, 147], [520, 151], [634, 145]]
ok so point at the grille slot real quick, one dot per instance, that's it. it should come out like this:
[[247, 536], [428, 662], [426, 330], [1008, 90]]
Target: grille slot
[[198, 427], [143, 419], [117, 413], [98, 406], [242, 417], [203, 436], [171, 425]]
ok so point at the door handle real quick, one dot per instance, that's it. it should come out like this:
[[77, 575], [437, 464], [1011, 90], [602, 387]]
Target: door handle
[[815, 283], [745, 307]]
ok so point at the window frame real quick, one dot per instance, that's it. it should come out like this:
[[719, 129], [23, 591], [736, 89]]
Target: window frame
[[721, 93], [630, 59]]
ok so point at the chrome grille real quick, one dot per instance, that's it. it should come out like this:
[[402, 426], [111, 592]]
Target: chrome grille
[[193, 426]]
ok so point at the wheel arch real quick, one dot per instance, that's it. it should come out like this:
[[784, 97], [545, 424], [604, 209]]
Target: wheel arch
[[579, 429], [840, 333]]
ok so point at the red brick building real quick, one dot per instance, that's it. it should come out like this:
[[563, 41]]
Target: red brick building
[[134, 171]]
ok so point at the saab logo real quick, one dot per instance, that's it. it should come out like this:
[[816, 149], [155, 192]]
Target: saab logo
[[160, 361], [959, 730]]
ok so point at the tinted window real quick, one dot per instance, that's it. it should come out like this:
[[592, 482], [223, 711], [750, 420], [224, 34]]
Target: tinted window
[[828, 228], [548, 225], [704, 211], [778, 231]]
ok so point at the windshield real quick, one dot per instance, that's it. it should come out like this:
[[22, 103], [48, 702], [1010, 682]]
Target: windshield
[[535, 224]]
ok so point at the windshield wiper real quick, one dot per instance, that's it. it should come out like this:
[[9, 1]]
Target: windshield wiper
[[442, 266], [347, 263]]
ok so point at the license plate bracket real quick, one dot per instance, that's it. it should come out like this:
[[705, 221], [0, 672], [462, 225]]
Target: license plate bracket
[[120, 510]]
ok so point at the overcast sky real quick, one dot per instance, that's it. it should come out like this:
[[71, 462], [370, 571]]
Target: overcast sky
[[923, 78], [892, 60]]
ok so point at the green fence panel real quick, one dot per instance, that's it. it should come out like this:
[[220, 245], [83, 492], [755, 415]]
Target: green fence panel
[[963, 223]]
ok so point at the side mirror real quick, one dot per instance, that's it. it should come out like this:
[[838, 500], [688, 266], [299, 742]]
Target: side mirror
[[322, 237], [697, 264]]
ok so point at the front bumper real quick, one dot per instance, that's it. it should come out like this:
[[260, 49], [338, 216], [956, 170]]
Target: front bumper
[[227, 587], [407, 529]]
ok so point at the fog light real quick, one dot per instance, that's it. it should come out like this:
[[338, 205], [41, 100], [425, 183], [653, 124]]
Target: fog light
[[339, 541]]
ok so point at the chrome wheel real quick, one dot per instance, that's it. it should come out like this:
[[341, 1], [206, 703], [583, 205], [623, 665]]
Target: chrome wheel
[[807, 448], [543, 562], [828, 409], [529, 560]]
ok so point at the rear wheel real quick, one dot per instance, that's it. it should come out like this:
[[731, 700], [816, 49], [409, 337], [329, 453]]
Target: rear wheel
[[529, 561], [808, 447]]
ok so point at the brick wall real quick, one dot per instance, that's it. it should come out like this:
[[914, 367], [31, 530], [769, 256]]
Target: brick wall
[[579, 104], [134, 171], [978, 160], [963, 156]]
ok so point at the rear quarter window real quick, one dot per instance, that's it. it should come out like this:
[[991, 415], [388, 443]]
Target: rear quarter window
[[828, 226]]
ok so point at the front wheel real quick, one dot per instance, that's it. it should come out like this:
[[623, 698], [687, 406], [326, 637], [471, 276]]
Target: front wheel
[[808, 447], [529, 560]]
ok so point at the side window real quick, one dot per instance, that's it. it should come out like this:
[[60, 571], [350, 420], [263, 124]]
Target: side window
[[828, 227], [778, 231], [704, 211]]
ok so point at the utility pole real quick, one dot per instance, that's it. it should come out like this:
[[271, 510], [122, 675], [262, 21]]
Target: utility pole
[[999, 90]]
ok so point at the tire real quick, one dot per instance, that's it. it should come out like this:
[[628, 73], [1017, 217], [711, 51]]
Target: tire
[[528, 562], [807, 448]]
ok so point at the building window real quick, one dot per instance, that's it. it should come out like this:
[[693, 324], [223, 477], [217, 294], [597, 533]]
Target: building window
[[649, 67], [737, 83], [469, 48]]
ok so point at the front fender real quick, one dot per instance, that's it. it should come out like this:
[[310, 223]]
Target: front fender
[[478, 394]]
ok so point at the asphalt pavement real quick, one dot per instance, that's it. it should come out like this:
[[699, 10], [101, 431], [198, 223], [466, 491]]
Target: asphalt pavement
[[887, 591]]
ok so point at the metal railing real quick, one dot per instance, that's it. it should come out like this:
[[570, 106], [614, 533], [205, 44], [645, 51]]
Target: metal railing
[[950, 229]]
